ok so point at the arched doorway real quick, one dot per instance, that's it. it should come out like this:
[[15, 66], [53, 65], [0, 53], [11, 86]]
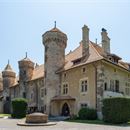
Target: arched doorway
[[65, 110]]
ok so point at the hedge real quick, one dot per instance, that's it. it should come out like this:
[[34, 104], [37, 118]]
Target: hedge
[[116, 110], [19, 107], [87, 114]]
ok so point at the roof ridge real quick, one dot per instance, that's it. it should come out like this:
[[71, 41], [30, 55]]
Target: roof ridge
[[95, 48]]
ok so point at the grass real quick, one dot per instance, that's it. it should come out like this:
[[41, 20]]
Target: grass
[[98, 122], [4, 115]]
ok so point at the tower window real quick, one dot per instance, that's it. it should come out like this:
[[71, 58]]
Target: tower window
[[112, 85], [24, 95], [117, 85], [45, 91], [42, 92], [105, 86]]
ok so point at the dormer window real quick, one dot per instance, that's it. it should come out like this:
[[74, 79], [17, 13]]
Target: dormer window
[[110, 58], [77, 61], [114, 58]]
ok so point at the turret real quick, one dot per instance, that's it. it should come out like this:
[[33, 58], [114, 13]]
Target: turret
[[26, 68], [55, 43], [8, 78], [105, 41]]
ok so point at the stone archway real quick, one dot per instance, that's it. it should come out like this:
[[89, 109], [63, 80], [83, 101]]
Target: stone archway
[[65, 110]]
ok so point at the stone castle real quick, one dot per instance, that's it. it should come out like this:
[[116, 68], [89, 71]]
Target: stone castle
[[66, 83]]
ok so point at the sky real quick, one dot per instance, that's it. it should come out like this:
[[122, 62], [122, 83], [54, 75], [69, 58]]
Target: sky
[[22, 23]]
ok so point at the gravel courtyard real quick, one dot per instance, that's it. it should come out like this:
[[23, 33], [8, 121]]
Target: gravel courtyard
[[11, 124]]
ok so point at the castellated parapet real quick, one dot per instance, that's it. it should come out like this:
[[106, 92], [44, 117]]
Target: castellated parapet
[[55, 43]]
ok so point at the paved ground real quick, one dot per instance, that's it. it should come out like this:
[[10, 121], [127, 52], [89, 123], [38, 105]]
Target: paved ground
[[11, 124]]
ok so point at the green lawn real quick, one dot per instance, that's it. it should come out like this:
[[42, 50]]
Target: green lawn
[[4, 115], [100, 122]]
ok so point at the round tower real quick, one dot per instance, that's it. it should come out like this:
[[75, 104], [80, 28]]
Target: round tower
[[55, 43], [26, 67], [8, 79]]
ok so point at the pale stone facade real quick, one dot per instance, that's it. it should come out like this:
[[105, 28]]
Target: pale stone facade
[[66, 83]]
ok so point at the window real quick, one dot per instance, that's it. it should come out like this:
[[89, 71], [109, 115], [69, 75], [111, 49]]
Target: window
[[83, 70], [64, 75], [65, 88], [84, 85], [45, 92], [32, 95], [84, 105], [44, 107], [127, 91], [112, 85], [105, 86], [77, 61], [7, 98], [24, 95], [117, 85], [115, 70], [42, 92]]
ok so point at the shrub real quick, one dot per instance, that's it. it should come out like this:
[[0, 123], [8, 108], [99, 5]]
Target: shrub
[[87, 114], [19, 108], [116, 110]]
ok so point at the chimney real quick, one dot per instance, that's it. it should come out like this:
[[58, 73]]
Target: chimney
[[85, 41], [105, 41]]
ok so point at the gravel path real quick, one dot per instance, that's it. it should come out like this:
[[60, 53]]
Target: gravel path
[[11, 124]]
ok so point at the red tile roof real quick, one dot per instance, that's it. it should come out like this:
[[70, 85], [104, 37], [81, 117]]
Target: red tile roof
[[96, 53]]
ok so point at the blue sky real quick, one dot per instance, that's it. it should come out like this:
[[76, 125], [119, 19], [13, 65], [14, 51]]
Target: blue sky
[[22, 23]]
